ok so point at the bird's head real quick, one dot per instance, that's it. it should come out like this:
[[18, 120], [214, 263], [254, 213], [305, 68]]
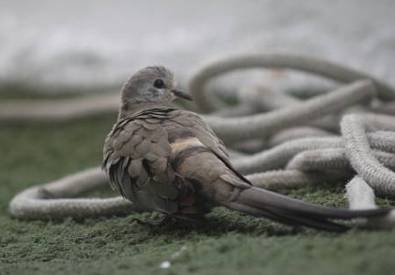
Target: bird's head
[[150, 86]]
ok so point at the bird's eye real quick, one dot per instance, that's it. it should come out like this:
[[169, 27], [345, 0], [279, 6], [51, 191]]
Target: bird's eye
[[158, 83]]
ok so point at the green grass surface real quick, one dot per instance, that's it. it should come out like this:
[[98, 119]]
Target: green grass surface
[[230, 243]]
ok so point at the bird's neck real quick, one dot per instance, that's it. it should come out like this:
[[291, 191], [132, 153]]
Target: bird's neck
[[127, 109]]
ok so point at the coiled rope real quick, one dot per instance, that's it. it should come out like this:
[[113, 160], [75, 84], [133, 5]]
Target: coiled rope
[[347, 133]]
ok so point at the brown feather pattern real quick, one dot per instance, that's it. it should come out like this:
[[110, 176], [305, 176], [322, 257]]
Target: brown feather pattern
[[169, 160]]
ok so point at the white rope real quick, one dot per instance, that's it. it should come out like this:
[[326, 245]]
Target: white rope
[[301, 63], [58, 110], [54, 200], [361, 196]]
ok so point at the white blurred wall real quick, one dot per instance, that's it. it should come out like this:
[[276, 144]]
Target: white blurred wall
[[83, 43]]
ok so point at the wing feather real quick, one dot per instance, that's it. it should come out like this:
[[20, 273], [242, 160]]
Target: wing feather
[[136, 152], [201, 130]]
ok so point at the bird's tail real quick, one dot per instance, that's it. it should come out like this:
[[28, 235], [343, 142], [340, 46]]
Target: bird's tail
[[263, 203], [218, 181]]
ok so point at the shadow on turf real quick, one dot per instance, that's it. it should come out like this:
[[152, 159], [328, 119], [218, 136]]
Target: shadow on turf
[[217, 223]]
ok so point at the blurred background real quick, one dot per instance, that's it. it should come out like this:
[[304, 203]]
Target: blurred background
[[52, 46]]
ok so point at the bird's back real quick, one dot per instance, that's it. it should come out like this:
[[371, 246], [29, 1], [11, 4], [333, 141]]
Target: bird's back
[[164, 159]]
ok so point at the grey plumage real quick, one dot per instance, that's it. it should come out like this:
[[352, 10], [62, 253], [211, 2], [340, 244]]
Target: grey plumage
[[169, 160]]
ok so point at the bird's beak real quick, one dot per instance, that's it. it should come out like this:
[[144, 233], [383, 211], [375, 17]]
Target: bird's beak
[[181, 94]]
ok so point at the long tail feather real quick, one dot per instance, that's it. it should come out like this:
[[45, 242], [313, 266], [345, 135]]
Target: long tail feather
[[264, 198], [289, 219], [264, 203], [219, 179]]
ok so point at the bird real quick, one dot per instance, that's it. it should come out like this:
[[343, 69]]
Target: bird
[[168, 160]]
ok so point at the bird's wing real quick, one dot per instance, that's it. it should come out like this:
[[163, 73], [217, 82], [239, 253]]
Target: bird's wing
[[136, 151], [226, 186], [193, 124], [183, 124]]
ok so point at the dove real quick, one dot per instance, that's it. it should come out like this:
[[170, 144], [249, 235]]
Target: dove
[[168, 160]]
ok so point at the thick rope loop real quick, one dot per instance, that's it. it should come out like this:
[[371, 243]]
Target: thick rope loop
[[284, 61]]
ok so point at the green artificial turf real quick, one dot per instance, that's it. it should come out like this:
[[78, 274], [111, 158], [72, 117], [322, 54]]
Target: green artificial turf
[[229, 243]]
